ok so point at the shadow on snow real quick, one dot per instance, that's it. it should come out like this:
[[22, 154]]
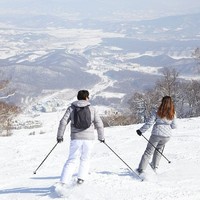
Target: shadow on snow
[[39, 191]]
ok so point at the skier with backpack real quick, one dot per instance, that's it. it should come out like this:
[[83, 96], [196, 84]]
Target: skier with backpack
[[84, 118]]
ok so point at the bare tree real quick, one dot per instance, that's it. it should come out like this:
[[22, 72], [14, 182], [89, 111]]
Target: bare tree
[[168, 84], [138, 106], [185, 94], [192, 93], [141, 104], [196, 55], [7, 111], [6, 90], [118, 119]]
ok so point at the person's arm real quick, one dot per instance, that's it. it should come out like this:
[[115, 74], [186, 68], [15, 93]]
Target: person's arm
[[63, 123], [149, 122], [174, 124], [98, 124]]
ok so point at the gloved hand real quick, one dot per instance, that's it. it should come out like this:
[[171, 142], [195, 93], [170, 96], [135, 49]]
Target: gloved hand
[[59, 140], [103, 140], [139, 132]]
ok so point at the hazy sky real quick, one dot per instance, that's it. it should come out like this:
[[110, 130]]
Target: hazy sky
[[102, 8]]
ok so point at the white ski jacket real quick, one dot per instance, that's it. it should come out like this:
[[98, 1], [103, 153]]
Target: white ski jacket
[[161, 127], [87, 134]]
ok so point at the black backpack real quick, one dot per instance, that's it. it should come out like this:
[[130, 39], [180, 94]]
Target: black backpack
[[82, 117]]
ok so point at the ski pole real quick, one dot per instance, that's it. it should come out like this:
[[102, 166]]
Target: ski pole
[[156, 148], [123, 161], [45, 158]]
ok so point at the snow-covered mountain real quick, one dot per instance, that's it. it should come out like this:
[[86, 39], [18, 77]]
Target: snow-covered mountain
[[109, 177], [106, 57]]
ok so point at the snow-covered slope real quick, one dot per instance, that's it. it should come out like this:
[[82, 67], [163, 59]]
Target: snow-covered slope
[[109, 178]]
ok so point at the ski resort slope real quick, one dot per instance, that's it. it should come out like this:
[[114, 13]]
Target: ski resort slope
[[109, 177]]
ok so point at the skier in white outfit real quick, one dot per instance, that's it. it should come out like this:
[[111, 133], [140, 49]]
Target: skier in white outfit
[[82, 139], [163, 121]]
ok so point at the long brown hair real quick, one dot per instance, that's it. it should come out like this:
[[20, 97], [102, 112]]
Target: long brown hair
[[166, 108]]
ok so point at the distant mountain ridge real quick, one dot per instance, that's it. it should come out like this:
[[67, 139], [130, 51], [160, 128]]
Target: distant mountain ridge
[[55, 70], [180, 23], [128, 56]]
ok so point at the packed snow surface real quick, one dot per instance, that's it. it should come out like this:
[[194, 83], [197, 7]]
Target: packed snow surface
[[109, 177]]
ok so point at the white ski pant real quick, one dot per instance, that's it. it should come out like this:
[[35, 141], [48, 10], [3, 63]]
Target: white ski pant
[[79, 156], [158, 142]]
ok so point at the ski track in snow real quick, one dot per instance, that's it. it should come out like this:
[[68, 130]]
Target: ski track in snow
[[109, 178]]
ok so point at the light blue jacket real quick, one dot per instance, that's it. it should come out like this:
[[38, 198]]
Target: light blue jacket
[[161, 127], [87, 134]]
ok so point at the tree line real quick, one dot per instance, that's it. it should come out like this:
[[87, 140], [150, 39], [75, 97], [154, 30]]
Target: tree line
[[185, 94], [7, 111]]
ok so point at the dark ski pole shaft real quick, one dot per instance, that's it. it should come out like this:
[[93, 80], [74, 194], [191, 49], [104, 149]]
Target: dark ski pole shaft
[[45, 158], [156, 149], [123, 161]]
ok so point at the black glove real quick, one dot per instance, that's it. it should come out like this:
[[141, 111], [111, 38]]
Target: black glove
[[139, 132], [103, 140], [59, 140]]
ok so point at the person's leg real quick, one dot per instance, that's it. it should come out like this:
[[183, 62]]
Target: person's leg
[[153, 141], [72, 161], [160, 147], [85, 159]]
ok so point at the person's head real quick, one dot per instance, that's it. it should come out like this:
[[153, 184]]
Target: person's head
[[166, 108], [83, 95]]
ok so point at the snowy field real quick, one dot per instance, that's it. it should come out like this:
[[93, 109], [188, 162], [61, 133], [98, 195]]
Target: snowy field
[[109, 178]]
